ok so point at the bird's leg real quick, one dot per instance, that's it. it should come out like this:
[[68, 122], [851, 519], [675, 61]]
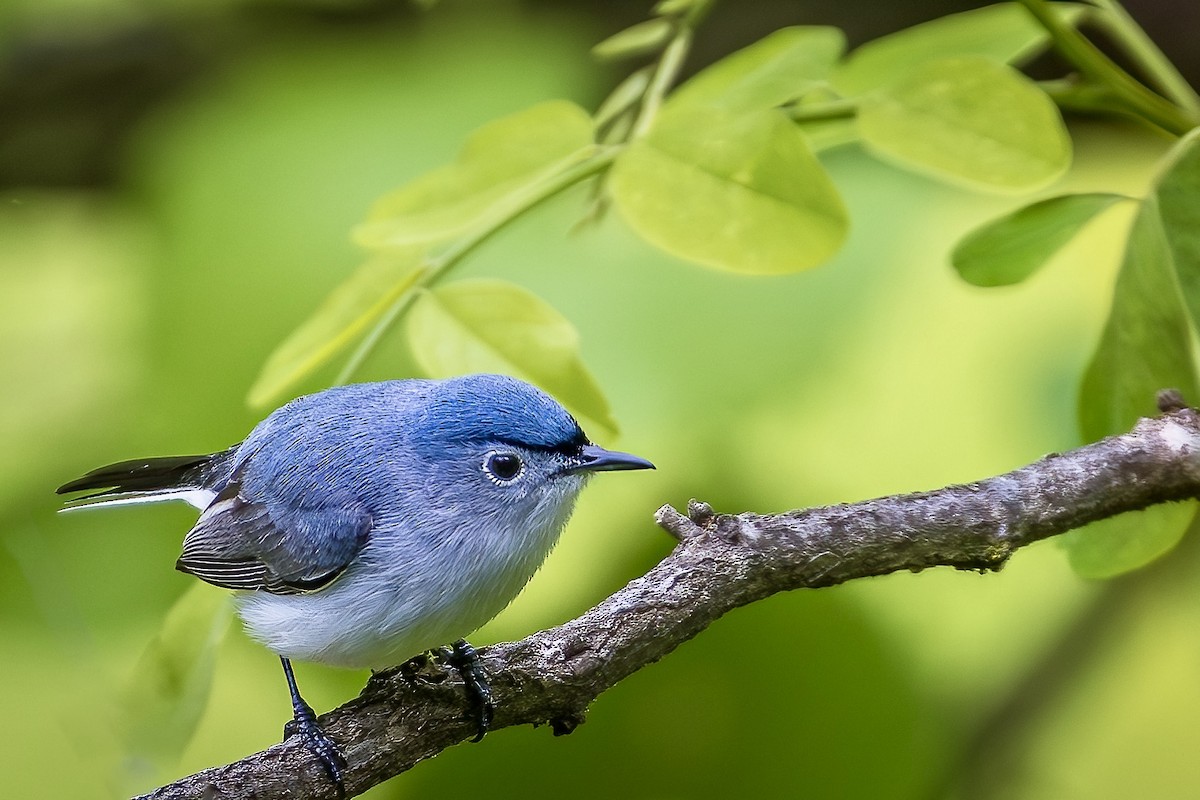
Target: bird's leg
[[462, 656], [305, 723]]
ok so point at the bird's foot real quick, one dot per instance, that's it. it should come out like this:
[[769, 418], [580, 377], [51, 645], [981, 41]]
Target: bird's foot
[[462, 656], [319, 744], [304, 722]]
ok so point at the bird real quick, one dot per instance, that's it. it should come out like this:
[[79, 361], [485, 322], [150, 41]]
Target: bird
[[369, 523]]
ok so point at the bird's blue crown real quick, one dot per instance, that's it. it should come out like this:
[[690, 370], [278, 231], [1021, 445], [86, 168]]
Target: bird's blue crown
[[497, 408]]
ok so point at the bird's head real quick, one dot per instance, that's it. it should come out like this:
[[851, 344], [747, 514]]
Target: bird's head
[[499, 446]]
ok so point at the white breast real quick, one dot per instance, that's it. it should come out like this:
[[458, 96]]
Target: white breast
[[408, 592]]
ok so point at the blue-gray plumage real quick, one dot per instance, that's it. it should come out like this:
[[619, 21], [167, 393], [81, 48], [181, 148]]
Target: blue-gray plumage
[[365, 524]]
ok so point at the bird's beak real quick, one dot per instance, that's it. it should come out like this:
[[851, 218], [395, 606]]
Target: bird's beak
[[596, 459]]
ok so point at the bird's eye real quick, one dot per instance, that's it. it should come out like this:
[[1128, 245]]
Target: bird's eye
[[503, 468]]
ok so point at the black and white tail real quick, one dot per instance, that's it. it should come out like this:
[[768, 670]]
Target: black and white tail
[[194, 479]]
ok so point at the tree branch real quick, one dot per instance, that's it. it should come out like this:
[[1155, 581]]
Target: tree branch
[[722, 562]]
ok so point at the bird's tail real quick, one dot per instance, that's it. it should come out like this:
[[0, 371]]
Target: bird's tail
[[194, 479]]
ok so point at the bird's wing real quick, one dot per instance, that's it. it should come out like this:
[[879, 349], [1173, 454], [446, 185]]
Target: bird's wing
[[239, 543]]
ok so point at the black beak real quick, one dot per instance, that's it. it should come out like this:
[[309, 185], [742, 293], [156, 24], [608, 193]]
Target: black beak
[[597, 459]]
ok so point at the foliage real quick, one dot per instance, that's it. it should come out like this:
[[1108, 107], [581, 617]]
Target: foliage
[[1012, 248], [1146, 342], [731, 170], [723, 172]]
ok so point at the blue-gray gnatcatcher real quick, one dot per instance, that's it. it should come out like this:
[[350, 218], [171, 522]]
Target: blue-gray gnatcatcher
[[365, 524]]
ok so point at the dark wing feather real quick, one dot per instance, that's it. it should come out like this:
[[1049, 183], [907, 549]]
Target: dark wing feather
[[240, 544], [151, 474], [145, 480]]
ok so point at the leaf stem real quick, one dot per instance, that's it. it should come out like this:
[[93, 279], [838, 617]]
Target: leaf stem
[[1086, 97], [591, 161], [597, 160], [1142, 49], [368, 343], [1098, 67], [669, 64], [843, 108]]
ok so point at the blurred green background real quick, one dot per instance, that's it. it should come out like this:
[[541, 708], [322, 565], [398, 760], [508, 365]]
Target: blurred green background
[[179, 183]]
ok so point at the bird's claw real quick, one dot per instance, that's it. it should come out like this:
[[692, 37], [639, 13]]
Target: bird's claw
[[304, 722], [463, 657], [319, 744]]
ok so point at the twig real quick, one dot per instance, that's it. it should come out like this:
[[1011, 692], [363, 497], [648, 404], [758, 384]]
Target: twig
[[723, 562]]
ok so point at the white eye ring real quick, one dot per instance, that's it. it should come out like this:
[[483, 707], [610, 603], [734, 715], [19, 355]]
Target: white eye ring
[[503, 468]]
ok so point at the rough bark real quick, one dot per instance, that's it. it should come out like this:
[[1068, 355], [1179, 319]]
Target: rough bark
[[723, 562]]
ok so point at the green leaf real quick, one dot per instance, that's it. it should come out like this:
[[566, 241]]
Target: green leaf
[[768, 73], [494, 326], [742, 192], [1178, 192], [1009, 249], [1119, 544], [1146, 346], [636, 40], [166, 694], [969, 120], [1004, 32], [499, 162], [1146, 343], [343, 316]]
